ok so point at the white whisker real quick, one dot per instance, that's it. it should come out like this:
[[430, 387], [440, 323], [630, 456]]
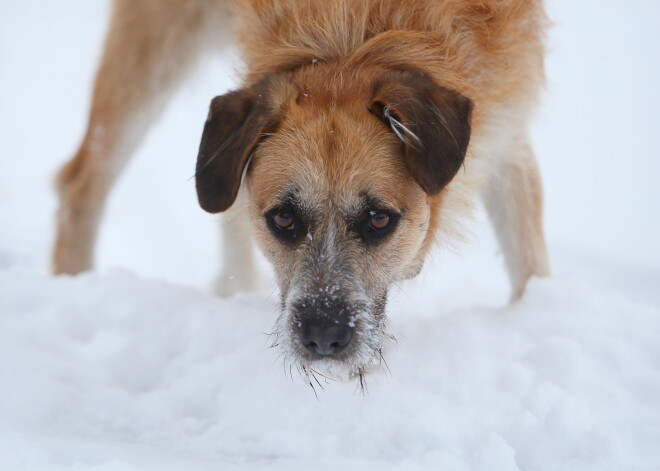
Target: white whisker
[[402, 131]]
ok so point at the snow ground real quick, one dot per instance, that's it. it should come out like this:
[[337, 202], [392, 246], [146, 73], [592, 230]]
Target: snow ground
[[137, 367]]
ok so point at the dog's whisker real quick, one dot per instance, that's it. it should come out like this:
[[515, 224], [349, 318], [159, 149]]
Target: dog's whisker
[[303, 369], [362, 382], [317, 381], [311, 385], [382, 359], [327, 378], [402, 131], [290, 370]]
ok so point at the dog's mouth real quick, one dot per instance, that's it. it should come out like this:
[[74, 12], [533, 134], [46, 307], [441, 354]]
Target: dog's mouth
[[344, 341]]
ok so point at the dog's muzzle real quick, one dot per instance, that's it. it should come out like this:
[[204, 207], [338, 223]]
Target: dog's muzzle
[[325, 324]]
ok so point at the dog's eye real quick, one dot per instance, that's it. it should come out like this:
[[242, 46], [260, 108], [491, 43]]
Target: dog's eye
[[285, 223], [379, 221], [283, 220], [377, 225]]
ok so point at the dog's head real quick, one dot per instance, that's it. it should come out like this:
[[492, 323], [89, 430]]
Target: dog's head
[[341, 170]]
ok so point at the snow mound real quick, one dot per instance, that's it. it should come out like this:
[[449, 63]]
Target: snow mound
[[118, 373]]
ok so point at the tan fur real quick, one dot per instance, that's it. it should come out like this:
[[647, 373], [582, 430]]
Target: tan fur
[[335, 154], [322, 59], [490, 51], [149, 47]]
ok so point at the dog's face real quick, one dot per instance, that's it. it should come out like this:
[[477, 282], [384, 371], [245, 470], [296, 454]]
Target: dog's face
[[340, 184], [341, 219]]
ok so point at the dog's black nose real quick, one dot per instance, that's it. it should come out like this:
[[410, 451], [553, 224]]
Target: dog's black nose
[[325, 340]]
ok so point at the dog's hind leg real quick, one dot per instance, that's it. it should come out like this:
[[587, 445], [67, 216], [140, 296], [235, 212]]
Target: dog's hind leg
[[150, 45], [513, 197]]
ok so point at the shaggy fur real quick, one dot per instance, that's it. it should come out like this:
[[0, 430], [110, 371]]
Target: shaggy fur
[[349, 110]]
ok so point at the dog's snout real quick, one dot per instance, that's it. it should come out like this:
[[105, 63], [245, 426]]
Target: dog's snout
[[325, 340]]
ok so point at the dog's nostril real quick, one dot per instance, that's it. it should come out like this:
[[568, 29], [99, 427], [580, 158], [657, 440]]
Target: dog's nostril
[[325, 340]]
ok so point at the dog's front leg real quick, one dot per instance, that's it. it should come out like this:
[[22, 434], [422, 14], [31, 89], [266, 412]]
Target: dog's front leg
[[150, 45], [238, 272], [513, 197]]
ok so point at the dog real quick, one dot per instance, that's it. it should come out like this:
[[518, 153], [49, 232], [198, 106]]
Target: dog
[[364, 130]]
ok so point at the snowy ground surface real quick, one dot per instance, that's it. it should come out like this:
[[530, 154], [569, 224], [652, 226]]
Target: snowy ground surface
[[137, 367]]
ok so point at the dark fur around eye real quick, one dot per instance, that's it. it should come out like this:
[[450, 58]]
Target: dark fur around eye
[[366, 229], [285, 223]]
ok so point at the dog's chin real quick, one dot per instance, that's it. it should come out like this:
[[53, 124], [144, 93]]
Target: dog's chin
[[357, 361], [337, 370]]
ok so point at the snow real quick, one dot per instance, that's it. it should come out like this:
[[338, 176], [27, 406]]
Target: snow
[[138, 367]]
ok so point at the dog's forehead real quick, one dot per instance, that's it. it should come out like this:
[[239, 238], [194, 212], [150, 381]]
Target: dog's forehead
[[330, 156]]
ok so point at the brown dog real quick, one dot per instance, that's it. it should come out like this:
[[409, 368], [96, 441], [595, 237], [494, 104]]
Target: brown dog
[[364, 129]]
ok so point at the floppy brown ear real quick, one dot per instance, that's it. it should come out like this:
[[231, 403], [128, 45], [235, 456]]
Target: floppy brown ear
[[233, 128], [433, 123]]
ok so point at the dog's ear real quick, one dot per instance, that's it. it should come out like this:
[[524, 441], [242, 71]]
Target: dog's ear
[[433, 123], [235, 123]]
